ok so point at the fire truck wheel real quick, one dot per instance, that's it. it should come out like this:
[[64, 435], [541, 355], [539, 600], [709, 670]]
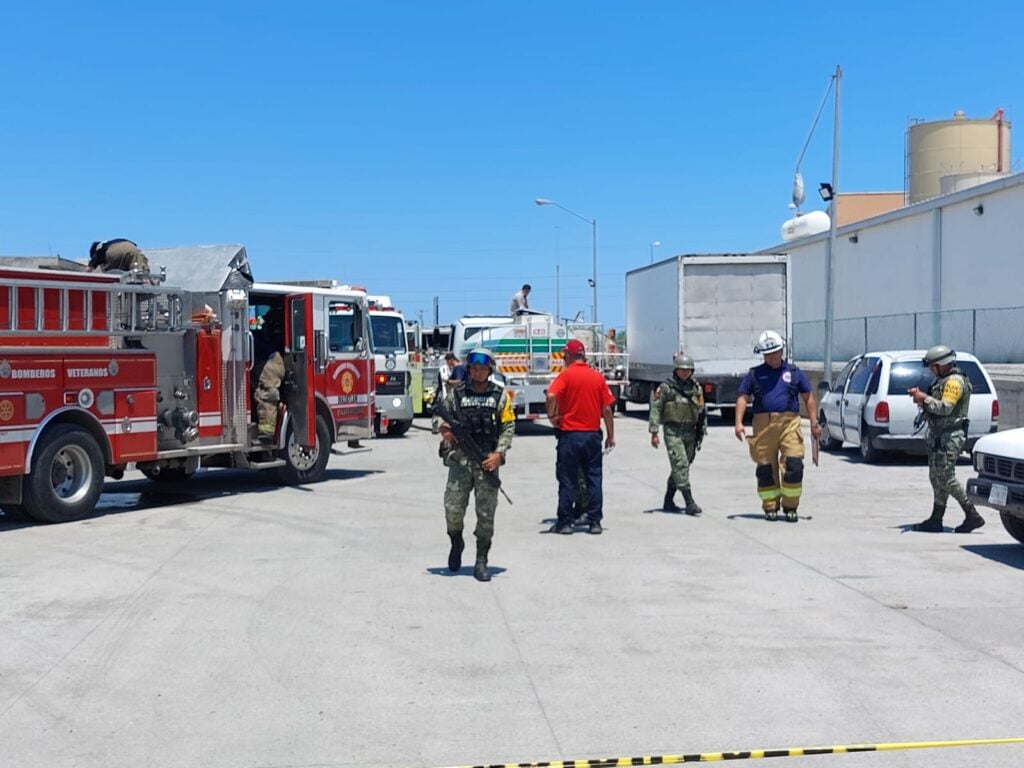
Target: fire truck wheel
[[66, 478], [398, 428], [303, 467]]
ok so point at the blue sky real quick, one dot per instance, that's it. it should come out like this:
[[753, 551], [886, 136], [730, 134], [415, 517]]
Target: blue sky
[[400, 145]]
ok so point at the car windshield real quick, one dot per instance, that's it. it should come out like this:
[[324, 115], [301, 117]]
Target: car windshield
[[388, 334], [909, 373]]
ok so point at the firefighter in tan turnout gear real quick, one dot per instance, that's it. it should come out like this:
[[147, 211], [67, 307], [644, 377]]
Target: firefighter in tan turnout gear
[[946, 407], [677, 406], [777, 445]]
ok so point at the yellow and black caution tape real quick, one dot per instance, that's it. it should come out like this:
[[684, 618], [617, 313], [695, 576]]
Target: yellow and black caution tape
[[749, 754]]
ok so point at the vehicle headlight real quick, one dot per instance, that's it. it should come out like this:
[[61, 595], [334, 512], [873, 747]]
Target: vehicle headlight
[[397, 402], [979, 461]]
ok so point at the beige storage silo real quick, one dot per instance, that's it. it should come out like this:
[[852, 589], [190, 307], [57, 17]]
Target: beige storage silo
[[958, 147]]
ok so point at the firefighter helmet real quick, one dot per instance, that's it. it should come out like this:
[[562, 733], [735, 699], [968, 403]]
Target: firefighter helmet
[[679, 360], [940, 354], [767, 342]]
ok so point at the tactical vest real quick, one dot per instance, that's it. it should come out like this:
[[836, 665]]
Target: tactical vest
[[479, 412], [956, 418], [683, 406]]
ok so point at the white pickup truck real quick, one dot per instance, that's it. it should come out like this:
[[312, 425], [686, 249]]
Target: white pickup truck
[[999, 460]]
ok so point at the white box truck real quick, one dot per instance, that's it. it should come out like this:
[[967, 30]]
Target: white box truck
[[710, 306]]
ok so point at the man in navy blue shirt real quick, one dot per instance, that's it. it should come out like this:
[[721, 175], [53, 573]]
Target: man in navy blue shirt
[[775, 388]]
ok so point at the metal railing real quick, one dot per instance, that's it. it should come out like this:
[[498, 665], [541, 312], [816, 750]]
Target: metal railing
[[991, 335]]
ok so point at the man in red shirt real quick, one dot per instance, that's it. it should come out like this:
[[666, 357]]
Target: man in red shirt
[[577, 401]]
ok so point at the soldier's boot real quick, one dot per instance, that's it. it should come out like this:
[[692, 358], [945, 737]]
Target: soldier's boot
[[670, 490], [934, 523], [455, 553], [480, 571], [691, 506], [971, 521]]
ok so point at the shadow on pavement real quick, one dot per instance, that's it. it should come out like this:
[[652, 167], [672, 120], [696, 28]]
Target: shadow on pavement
[[1007, 554], [121, 496], [466, 570]]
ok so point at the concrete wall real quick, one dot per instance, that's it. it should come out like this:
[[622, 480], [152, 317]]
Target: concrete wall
[[959, 251]]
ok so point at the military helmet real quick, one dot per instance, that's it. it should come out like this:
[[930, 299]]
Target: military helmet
[[481, 356], [679, 360], [940, 354], [769, 341]]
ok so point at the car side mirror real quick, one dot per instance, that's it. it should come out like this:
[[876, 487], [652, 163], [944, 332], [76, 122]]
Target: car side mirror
[[823, 387]]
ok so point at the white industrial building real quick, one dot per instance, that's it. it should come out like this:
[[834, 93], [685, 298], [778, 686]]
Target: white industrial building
[[949, 269]]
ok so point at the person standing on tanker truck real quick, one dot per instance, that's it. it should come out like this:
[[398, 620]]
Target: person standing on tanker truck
[[777, 445], [520, 300]]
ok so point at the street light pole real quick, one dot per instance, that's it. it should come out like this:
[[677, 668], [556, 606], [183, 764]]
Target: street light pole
[[655, 244], [593, 237], [830, 267]]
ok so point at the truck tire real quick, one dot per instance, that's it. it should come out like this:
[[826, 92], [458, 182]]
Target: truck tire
[[302, 467], [66, 478], [727, 413], [1013, 525], [398, 428], [620, 405]]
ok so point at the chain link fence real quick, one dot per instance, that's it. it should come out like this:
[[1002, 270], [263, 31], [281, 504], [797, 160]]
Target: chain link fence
[[992, 335]]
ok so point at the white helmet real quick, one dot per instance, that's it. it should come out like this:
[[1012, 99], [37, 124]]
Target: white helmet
[[769, 341]]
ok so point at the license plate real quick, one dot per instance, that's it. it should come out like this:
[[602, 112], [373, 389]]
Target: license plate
[[997, 494]]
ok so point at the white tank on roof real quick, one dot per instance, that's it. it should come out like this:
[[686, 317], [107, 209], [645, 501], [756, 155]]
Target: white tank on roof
[[805, 225]]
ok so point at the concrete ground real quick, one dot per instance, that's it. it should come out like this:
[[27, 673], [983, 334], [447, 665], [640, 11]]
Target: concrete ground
[[228, 622]]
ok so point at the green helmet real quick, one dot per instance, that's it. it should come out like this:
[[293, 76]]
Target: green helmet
[[679, 360], [940, 354], [481, 356]]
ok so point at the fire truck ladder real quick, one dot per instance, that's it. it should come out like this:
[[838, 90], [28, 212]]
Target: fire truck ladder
[[38, 307]]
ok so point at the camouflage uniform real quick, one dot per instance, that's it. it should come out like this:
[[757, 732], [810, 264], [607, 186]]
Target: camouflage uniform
[[946, 411], [677, 406], [491, 419]]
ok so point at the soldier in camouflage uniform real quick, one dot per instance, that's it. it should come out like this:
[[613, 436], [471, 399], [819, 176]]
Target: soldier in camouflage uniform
[[677, 406], [946, 407], [485, 409]]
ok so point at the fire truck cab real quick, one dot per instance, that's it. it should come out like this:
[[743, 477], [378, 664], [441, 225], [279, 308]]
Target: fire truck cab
[[100, 371]]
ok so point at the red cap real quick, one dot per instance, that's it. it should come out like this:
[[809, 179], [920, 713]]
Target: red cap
[[575, 347]]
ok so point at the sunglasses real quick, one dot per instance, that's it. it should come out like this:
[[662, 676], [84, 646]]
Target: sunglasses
[[478, 358]]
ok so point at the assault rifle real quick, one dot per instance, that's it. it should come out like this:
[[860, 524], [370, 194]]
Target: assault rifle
[[702, 421], [467, 443]]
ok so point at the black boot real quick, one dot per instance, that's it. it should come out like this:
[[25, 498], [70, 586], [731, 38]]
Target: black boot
[[455, 553], [480, 571], [971, 521], [691, 505], [934, 523], [670, 490]]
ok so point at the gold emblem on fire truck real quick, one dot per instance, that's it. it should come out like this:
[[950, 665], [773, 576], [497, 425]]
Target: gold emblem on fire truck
[[6, 410], [347, 382]]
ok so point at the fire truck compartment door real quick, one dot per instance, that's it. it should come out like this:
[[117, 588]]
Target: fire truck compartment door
[[298, 362]]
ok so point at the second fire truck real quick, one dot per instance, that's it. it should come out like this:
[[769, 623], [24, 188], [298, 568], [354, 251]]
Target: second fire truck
[[100, 371]]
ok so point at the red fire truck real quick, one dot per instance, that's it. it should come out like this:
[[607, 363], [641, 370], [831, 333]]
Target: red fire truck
[[99, 371]]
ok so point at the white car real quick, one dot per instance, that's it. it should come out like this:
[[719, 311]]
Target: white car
[[999, 460], [867, 403]]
